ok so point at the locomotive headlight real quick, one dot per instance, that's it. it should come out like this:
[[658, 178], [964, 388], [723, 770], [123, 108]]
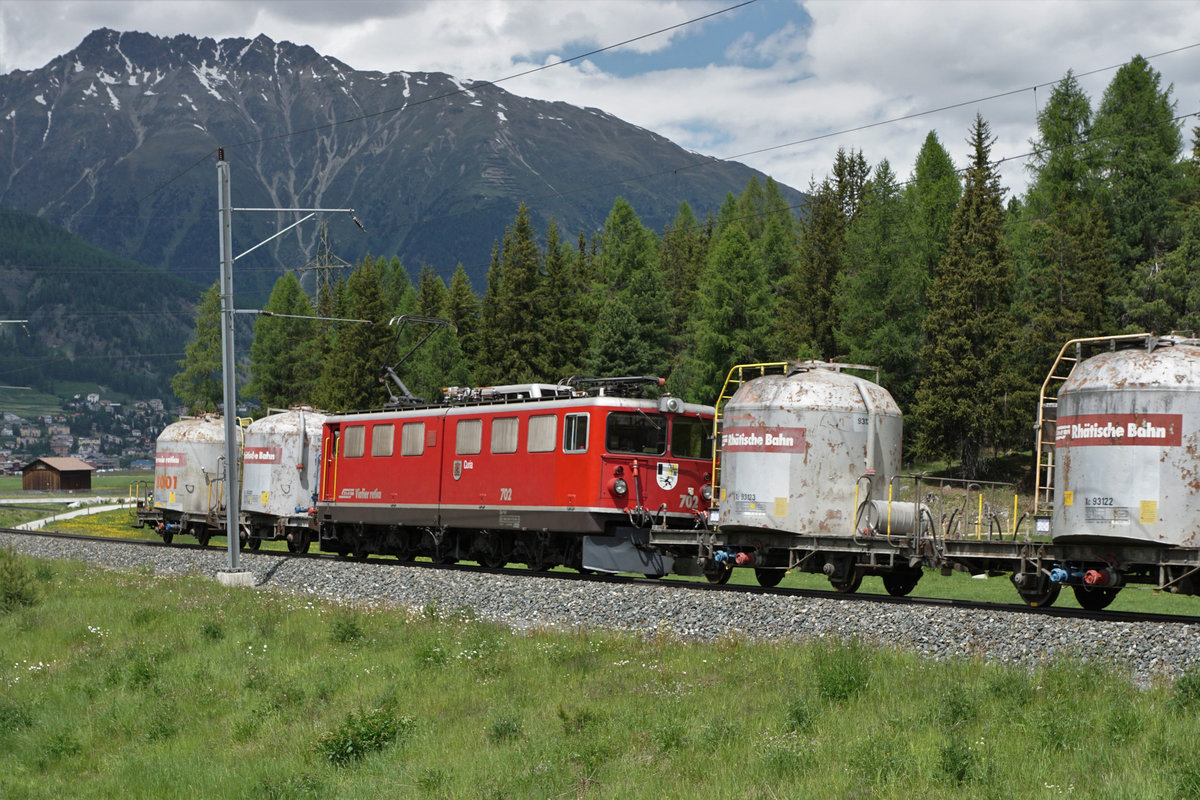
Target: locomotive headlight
[[706, 492], [619, 486]]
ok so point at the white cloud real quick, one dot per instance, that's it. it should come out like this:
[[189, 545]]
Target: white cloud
[[852, 64]]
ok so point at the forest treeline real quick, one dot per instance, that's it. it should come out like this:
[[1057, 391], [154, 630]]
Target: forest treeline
[[961, 296]]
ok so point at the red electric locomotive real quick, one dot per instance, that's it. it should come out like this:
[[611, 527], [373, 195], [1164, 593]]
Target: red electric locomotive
[[539, 474]]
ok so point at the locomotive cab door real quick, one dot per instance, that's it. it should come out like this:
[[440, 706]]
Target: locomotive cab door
[[331, 445]]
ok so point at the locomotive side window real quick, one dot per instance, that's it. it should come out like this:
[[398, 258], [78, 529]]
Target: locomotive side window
[[690, 438], [543, 430], [504, 435], [468, 437], [412, 439], [643, 434], [575, 433], [382, 437], [354, 440]]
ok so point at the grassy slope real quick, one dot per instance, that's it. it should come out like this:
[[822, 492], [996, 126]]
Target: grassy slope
[[136, 686]]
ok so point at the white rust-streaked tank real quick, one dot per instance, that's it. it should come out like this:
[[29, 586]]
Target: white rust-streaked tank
[[1127, 447], [189, 467], [280, 461], [793, 447]]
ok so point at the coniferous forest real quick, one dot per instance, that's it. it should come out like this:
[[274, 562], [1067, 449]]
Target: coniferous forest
[[959, 292]]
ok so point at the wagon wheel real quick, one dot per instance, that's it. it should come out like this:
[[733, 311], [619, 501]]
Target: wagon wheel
[[254, 543], [720, 575], [848, 584], [1094, 599], [202, 536], [769, 577], [298, 543], [167, 537], [1037, 593], [901, 582]]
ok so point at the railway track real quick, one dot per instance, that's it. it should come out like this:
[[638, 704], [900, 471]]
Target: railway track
[[690, 585]]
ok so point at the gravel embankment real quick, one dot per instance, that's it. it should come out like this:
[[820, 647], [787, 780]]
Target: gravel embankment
[[1149, 651]]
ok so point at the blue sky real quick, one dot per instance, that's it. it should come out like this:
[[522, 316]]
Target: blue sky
[[777, 76]]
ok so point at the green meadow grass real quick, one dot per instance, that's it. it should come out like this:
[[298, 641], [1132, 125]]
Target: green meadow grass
[[133, 685]]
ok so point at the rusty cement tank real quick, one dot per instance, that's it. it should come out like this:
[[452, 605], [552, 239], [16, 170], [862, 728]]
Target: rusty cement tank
[[280, 460], [794, 446], [1127, 447], [189, 467]]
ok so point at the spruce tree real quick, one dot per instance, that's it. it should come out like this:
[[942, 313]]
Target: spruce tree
[[285, 355], [880, 295], [199, 383], [733, 319], [628, 266], [808, 316], [462, 309], [519, 337], [350, 379], [560, 301], [969, 331], [1139, 144]]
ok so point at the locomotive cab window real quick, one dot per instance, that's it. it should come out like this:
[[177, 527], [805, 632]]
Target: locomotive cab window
[[543, 430], [354, 440], [575, 433], [468, 437], [636, 432], [412, 439], [382, 437], [504, 435], [690, 438]]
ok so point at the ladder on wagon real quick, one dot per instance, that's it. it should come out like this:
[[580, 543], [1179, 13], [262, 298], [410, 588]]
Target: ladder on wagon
[[737, 376], [1070, 356]]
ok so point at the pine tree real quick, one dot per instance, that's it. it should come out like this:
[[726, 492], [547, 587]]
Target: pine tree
[[462, 309], [733, 317], [519, 338], [880, 295], [350, 379], [808, 316], [628, 267], [488, 345], [1139, 144], [560, 301], [969, 330], [285, 355], [1165, 296], [199, 384], [683, 254], [1060, 242]]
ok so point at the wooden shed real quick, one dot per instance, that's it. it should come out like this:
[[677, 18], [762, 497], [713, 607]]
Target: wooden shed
[[57, 475]]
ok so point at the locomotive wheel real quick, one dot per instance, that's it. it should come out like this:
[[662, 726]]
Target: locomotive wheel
[[901, 582], [847, 585], [493, 561], [721, 576], [1094, 599], [769, 577], [360, 555]]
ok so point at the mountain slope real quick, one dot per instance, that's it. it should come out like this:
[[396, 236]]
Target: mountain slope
[[115, 141], [92, 316]]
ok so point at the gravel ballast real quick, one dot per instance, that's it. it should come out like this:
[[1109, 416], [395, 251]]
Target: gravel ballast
[[1149, 651]]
